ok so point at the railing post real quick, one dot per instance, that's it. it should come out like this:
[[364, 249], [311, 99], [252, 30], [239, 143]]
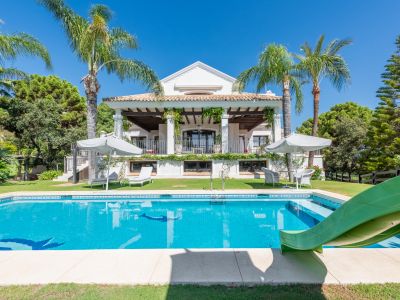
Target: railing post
[[359, 178], [374, 177], [398, 172], [75, 178]]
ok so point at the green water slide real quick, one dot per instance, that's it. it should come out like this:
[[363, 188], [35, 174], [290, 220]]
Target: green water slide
[[368, 218]]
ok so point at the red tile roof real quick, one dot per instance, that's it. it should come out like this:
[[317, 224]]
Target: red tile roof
[[215, 97]]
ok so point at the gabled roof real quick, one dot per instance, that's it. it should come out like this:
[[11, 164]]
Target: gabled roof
[[199, 64]]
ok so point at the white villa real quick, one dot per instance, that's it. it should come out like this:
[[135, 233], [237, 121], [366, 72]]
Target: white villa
[[191, 91]]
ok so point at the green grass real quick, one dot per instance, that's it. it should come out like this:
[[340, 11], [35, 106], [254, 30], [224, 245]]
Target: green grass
[[179, 184], [177, 292]]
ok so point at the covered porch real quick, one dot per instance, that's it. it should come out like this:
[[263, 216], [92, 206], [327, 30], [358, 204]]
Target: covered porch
[[242, 128]]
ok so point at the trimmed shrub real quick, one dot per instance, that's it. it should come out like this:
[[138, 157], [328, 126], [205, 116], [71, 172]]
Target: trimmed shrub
[[317, 173], [49, 175]]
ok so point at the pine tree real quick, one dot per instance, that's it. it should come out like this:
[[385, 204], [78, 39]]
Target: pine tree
[[384, 132]]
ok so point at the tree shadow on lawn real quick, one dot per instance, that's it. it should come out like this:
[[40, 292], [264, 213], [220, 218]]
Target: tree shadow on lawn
[[231, 274]]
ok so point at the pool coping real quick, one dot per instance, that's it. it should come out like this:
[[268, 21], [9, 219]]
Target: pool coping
[[248, 266], [325, 194]]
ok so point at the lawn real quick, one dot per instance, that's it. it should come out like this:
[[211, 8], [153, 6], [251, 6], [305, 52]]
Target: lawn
[[75, 291], [344, 188]]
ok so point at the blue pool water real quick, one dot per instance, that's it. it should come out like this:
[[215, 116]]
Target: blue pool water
[[151, 222]]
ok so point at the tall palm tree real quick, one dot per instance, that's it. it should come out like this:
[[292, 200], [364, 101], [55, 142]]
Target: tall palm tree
[[318, 64], [99, 47], [12, 46], [275, 66]]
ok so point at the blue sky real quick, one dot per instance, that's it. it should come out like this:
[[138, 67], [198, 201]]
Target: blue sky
[[228, 35]]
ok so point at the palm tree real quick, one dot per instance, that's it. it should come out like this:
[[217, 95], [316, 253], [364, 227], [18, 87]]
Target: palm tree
[[99, 47], [12, 46], [275, 66], [319, 64]]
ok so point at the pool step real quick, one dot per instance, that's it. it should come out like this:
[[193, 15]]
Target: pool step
[[315, 210]]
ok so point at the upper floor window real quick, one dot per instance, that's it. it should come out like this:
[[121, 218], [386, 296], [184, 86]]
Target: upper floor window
[[260, 140]]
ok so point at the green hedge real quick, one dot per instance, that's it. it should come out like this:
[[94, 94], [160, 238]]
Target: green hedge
[[205, 157]]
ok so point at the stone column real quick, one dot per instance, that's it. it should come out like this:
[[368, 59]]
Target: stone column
[[170, 135], [118, 130], [276, 126], [225, 133]]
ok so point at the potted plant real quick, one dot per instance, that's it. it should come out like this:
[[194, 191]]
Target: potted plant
[[217, 146], [178, 144]]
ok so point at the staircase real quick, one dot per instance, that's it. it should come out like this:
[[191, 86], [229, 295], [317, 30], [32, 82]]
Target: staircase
[[82, 164]]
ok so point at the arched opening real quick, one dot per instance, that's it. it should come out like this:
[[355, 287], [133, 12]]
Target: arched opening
[[198, 141], [198, 93]]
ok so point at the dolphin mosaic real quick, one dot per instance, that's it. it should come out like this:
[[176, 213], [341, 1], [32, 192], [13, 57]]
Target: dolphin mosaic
[[25, 244]]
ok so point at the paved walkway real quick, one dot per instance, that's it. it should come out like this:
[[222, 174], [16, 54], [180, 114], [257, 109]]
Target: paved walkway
[[206, 266]]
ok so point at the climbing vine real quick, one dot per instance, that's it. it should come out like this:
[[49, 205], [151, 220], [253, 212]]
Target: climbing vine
[[176, 114], [213, 112], [206, 157], [269, 116]]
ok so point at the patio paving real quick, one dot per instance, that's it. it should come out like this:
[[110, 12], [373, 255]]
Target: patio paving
[[199, 266]]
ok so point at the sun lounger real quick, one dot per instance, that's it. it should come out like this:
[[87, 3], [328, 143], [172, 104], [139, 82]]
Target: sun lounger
[[144, 176], [113, 177]]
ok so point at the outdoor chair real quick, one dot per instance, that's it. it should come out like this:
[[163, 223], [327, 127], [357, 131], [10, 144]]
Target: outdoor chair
[[303, 177], [270, 176], [113, 177], [144, 176]]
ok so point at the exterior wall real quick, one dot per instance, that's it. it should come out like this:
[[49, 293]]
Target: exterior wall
[[231, 168], [136, 131], [261, 130], [162, 132], [169, 168], [174, 169], [197, 76], [233, 136]]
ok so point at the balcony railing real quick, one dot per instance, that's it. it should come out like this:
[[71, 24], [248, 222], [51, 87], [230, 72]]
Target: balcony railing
[[199, 146], [246, 146], [151, 146], [209, 147]]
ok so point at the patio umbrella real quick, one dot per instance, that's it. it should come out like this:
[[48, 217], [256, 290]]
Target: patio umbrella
[[109, 144], [298, 143]]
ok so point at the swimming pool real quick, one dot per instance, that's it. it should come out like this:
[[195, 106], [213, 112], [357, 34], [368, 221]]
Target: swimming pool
[[158, 221]]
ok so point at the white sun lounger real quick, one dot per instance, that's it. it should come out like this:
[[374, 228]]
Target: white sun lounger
[[113, 177], [144, 176]]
